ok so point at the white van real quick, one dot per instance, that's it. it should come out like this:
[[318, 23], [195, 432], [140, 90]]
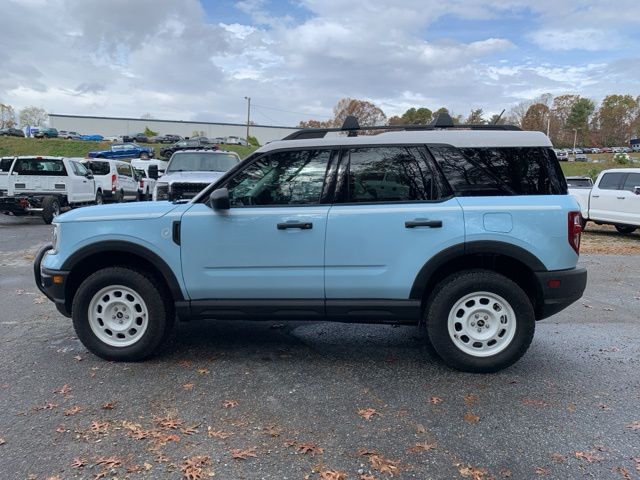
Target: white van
[[115, 179]]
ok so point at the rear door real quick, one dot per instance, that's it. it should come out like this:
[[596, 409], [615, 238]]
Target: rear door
[[392, 214], [604, 203], [629, 200]]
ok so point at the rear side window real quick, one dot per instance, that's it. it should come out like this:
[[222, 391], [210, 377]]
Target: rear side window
[[632, 181], [5, 164], [501, 171], [124, 170], [40, 166], [611, 181], [386, 174], [99, 168]]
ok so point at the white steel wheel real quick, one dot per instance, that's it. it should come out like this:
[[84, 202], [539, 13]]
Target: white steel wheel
[[482, 324], [118, 316]]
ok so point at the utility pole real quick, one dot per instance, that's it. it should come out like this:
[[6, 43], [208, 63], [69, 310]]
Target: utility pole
[[575, 137], [248, 99]]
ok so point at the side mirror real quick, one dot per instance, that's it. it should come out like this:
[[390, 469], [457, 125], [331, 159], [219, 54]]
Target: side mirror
[[153, 172], [636, 190], [89, 174], [219, 199]]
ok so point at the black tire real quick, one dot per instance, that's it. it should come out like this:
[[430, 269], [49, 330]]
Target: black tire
[[99, 198], [625, 229], [50, 209], [160, 312], [118, 196], [453, 289], [583, 223]]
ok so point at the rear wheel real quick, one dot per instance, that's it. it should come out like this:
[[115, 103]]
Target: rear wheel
[[118, 196], [479, 321], [99, 198], [120, 314], [50, 209], [625, 229]]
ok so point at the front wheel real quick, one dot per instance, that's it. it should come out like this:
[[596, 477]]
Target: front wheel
[[479, 321], [625, 229], [50, 209], [119, 314]]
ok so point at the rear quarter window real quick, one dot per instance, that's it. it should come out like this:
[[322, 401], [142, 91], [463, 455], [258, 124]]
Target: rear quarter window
[[99, 168], [501, 171]]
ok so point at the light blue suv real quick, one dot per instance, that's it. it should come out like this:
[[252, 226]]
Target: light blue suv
[[469, 230]]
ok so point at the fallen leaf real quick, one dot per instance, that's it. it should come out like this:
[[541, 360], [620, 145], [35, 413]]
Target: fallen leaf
[[78, 358], [243, 453], [99, 427], [134, 469], [203, 371], [634, 425], [383, 465], [109, 406], [193, 468], [420, 428], [623, 471], [218, 433], [72, 411], [64, 390], [541, 471], [534, 402], [2, 441], [471, 418], [366, 476], [46, 406], [506, 473], [476, 473], [588, 456], [556, 457], [185, 363], [39, 299], [188, 386], [435, 400], [230, 404], [78, 463], [109, 462], [333, 475], [168, 422], [470, 400], [61, 429], [368, 413], [586, 306], [272, 430], [423, 447], [190, 430], [311, 448]]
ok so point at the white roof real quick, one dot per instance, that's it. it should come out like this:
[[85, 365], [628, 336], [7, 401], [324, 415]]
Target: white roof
[[621, 170], [456, 138]]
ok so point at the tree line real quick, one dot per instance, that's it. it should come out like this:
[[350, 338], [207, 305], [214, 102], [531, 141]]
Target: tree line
[[34, 116], [564, 118]]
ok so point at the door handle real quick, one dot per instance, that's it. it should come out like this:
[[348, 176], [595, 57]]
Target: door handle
[[621, 198], [300, 225], [423, 223], [595, 196]]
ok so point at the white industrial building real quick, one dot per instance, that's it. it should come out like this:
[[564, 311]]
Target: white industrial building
[[111, 126]]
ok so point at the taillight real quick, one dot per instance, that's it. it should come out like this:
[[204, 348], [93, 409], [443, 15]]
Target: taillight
[[575, 230], [113, 183], [141, 183]]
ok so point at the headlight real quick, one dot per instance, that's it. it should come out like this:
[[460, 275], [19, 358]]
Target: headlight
[[55, 240], [161, 191]]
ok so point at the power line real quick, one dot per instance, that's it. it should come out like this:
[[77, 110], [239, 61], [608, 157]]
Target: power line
[[264, 115]]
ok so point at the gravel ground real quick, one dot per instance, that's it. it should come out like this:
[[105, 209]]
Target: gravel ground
[[245, 400]]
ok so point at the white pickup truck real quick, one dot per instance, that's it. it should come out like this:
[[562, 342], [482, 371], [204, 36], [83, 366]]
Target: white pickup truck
[[45, 186], [613, 200]]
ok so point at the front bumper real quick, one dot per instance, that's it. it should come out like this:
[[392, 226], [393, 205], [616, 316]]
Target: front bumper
[[51, 283], [559, 289]]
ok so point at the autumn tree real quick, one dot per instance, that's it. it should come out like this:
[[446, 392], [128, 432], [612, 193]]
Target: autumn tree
[[315, 124], [616, 119], [7, 116], [413, 116], [476, 117], [367, 113], [33, 116], [536, 117]]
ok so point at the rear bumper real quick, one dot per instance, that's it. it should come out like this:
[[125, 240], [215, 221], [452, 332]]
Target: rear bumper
[[44, 278], [559, 289]]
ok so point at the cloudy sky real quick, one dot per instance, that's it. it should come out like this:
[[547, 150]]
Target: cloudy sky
[[189, 59]]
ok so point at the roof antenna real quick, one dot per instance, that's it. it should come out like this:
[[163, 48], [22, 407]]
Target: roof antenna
[[499, 117]]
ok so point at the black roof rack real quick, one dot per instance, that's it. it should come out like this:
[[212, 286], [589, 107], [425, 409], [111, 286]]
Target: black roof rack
[[442, 121]]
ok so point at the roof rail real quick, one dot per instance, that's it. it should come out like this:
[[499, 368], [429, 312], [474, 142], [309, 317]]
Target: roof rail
[[442, 121]]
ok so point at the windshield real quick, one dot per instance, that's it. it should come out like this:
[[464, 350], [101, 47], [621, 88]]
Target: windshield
[[202, 162]]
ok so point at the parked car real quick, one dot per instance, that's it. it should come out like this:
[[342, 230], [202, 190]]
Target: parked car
[[115, 180], [69, 135], [11, 132], [46, 186], [579, 182], [581, 157], [136, 137], [47, 133], [171, 138], [124, 150], [562, 155], [145, 184], [92, 138], [191, 171], [232, 140], [5, 166], [613, 200], [607, 150], [218, 140], [479, 244], [190, 144], [156, 139], [114, 139]]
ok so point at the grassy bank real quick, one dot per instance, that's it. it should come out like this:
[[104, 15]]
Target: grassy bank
[[74, 148]]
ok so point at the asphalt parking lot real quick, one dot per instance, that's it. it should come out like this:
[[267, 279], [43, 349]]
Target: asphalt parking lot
[[244, 400]]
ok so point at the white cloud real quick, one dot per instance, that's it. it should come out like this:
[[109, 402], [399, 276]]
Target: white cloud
[[576, 38]]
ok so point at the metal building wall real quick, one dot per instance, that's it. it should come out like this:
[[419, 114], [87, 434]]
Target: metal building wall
[[109, 126]]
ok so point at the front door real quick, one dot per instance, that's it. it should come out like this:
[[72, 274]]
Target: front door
[[270, 243], [604, 203], [629, 200], [83, 188]]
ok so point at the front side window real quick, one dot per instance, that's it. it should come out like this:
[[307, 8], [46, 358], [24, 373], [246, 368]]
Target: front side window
[[79, 169], [281, 178], [386, 174], [124, 170]]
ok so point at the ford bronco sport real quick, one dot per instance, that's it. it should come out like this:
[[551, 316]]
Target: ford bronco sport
[[467, 229]]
